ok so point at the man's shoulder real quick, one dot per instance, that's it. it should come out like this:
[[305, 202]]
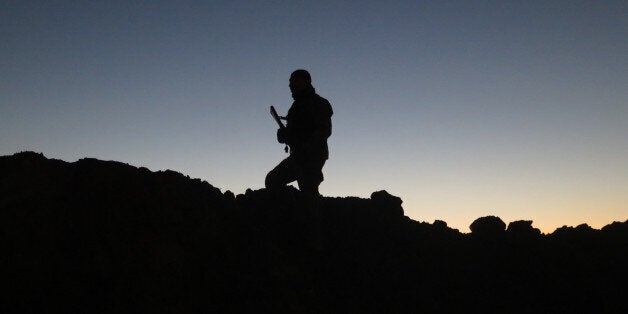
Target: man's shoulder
[[321, 99], [323, 104]]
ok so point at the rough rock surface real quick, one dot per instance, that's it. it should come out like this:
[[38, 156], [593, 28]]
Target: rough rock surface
[[105, 237]]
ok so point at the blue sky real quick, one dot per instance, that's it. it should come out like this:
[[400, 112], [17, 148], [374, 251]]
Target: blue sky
[[462, 108]]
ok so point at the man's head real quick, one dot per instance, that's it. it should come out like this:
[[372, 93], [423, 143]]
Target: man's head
[[300, 81]]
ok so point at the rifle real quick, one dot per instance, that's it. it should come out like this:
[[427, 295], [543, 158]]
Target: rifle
[[278, 119]]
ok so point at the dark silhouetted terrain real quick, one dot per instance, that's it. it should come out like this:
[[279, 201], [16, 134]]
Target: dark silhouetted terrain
[[104, 237]]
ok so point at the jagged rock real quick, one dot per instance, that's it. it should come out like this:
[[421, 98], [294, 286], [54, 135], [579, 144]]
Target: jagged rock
[[522, 229], [229, 195], [439, 224], [616, 227], [583, 228], [387, 203], [488, 226]]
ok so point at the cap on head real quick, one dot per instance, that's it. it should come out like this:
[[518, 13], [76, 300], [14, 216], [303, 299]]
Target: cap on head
[[303, 75]]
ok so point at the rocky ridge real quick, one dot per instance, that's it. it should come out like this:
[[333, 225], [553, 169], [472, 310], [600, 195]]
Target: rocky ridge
[[102, 236]]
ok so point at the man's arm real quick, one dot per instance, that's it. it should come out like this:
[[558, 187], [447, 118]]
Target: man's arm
[[322, 123]]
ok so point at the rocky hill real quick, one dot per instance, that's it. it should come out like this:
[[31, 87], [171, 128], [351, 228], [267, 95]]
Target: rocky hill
[[105, 237]]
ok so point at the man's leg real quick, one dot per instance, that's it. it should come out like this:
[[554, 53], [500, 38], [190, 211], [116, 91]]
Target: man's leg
[[310, 176], [284, 173]]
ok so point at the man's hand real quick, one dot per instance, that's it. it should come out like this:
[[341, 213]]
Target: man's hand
[[282, 135]]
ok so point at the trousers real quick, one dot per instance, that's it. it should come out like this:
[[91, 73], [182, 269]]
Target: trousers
[[307, 173]]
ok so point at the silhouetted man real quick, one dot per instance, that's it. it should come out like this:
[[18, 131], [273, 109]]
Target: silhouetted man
[[306, 132]]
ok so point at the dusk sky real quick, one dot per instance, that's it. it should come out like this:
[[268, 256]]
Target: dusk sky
[[464, 109]]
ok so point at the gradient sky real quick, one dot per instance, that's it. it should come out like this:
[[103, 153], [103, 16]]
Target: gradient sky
[[462, 108]]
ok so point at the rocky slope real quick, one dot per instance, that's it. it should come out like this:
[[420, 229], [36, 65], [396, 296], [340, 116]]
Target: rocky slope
[[105, 237]]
